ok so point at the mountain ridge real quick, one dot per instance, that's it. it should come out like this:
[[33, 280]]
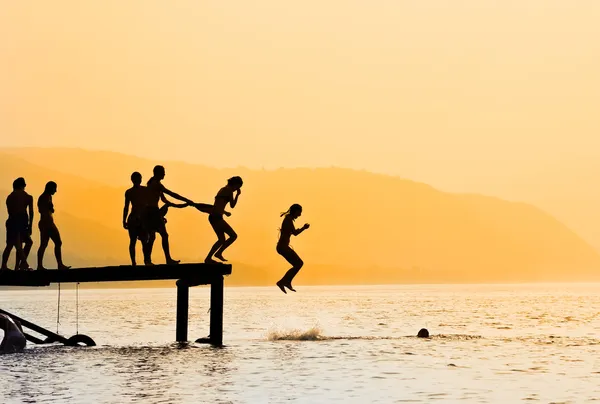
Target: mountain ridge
[[360, 221]]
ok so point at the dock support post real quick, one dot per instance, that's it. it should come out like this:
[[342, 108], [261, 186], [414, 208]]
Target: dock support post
[[183, 294], [216, 311]]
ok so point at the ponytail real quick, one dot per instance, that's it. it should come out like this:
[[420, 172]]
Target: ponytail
[[293, 207]]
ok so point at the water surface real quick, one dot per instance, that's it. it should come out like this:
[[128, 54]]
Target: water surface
[[490, 344]]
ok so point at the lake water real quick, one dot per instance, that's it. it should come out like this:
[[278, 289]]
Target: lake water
[[490, 344]]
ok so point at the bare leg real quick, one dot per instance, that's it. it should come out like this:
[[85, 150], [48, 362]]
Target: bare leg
[[148, 248], [232, 237], [44, 238], [165, 245], [21, 259], [26, 250], [289, 276], [17, 261], [297, 263], [6, 255], [55, 236], [217, 226], [213, 250], [281, 285], [132, 243]]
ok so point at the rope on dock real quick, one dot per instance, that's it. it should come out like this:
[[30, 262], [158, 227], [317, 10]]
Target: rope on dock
[[58, 309], [77, 309]]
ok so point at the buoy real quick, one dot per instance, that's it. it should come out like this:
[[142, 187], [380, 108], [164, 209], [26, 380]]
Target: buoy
[[423, 333], [78, 339]]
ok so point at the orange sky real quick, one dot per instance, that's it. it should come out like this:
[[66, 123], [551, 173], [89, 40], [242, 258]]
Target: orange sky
[[497, 97], [401, 87], [470, 95]]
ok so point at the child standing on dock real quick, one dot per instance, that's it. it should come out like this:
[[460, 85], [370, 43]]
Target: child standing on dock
[[220, 226], [132, 222], [285, 250], [154, 217], [18, 225], [48, 229]]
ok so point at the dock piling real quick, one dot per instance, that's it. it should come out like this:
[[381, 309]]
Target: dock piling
[[216, 311], [183, 297]]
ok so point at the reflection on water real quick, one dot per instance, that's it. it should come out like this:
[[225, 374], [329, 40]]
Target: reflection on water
[[323, 344]]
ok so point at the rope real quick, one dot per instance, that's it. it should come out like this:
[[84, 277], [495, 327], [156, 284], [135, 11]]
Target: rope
[[58, 309], [77, 310]]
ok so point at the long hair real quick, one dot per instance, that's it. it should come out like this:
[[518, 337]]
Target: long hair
[[294, 208]]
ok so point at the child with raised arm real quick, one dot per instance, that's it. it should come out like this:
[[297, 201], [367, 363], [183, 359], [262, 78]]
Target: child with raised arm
[[220, 226], [285, 250]]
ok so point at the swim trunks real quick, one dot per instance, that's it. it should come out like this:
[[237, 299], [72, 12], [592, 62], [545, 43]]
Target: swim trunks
[[17, 227], [153, 220]]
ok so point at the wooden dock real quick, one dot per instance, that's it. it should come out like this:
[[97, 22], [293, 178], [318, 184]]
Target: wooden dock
[[187, 275]]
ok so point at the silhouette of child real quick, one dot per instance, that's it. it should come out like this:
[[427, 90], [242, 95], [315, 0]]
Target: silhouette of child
[[154, 217], [48, 229], [285, 250], [220, 226], [18, 225], [137, 197]]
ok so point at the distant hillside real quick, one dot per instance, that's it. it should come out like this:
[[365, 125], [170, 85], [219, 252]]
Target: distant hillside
[[366, 228]]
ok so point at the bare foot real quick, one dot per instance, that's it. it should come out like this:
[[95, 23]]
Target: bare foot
[[219, 256], [172, 262], [280, 285], [41, 268], [63, 266], [148, 263], [289, 286], [210, 261]]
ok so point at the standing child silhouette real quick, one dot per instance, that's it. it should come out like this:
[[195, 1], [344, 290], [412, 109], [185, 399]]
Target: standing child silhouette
[[220, 226]]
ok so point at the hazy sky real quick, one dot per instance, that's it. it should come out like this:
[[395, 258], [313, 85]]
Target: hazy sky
[[434, 89]]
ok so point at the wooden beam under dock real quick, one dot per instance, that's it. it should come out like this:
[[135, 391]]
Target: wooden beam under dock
[[198, 274]]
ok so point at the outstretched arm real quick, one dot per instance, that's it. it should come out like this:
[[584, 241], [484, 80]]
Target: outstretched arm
[[126, 210], [174, 205], [176, 196]]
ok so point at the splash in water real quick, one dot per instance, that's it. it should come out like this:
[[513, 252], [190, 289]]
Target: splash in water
[[312, 334]]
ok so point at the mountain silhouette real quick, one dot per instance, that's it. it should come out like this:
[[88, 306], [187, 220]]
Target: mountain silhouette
[[379, 229]]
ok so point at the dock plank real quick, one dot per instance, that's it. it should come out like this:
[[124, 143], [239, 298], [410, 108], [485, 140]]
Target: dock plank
[[194, 273]]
